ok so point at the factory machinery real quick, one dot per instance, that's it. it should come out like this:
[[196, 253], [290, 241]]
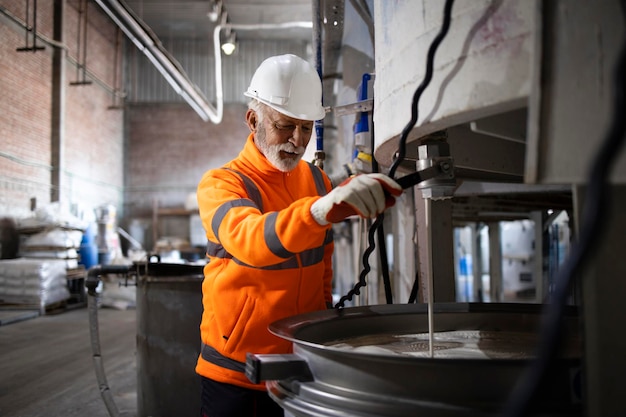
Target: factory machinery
[[499, 101], [510, 101]]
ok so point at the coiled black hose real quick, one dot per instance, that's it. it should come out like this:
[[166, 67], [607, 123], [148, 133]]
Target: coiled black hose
[[447, 16]]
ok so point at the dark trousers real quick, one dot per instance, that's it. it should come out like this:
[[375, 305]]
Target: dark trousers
[[225, 400]]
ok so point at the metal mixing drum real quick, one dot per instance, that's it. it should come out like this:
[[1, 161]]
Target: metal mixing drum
[[374, 361]]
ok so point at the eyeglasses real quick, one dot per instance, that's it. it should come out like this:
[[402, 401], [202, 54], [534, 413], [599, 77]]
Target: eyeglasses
[[290, 126]]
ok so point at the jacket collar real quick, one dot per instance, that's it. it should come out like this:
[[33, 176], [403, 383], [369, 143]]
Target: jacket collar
[[255, 160]]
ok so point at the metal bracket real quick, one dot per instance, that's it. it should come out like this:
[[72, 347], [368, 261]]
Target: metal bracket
[[353, 108], [443, 168]]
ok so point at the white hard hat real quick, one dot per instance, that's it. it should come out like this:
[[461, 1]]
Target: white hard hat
[[289, 85]]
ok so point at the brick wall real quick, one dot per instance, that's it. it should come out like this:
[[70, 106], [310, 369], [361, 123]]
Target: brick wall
[[25, 82], [169, 149], [92, 139], [132, 157]]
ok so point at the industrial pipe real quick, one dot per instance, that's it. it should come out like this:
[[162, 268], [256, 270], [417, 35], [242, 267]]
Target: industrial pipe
[[320, 155], [149, 44], [92, 281]]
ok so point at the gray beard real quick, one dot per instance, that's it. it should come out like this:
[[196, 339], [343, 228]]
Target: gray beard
[[272, 152]]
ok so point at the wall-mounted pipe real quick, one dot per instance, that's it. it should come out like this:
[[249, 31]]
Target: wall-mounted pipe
[[317, 47], [268, 26], [148, 43]]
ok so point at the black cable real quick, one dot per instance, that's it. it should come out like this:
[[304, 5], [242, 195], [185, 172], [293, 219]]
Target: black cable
[[384, 262], [366, 265], [382, 245], [447, 15], [593, 219]]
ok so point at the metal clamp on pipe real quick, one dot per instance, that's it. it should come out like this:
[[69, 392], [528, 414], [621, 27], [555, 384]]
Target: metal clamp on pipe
[[435, 171], [436, 153], [270, 367]]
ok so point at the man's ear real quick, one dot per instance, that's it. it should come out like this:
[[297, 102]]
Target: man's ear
[[251, 120]]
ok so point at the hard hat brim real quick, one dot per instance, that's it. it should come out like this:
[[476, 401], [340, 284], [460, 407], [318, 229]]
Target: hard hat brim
[[315, 114]]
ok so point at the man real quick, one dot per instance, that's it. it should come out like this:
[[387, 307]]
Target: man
[[267, 217]]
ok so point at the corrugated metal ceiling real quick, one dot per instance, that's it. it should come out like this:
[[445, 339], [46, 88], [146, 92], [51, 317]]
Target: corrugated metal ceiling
[[189, 19]]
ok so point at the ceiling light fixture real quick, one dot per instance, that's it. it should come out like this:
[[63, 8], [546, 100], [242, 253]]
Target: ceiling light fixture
[[230, 45], [215, 11], [145, 40]]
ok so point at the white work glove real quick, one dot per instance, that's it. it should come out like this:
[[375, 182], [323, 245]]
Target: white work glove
[[366, 195]]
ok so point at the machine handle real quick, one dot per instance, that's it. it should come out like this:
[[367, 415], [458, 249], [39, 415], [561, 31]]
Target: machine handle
[[269, 367], [441, 169]]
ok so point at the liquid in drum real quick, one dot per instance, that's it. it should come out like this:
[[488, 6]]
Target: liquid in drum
[[459, 344]]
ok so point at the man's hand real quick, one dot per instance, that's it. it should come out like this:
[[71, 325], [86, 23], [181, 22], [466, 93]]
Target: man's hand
[[366, 195]]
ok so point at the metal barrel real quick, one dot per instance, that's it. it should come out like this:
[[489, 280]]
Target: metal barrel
[[169, 310]]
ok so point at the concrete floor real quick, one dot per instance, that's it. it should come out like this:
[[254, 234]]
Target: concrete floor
[[46, 364]]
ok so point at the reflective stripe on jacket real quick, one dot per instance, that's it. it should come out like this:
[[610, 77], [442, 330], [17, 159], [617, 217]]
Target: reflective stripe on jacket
[[268, 257]]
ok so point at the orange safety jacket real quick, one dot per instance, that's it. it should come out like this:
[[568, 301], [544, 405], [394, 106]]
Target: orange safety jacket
[[268, 259]]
